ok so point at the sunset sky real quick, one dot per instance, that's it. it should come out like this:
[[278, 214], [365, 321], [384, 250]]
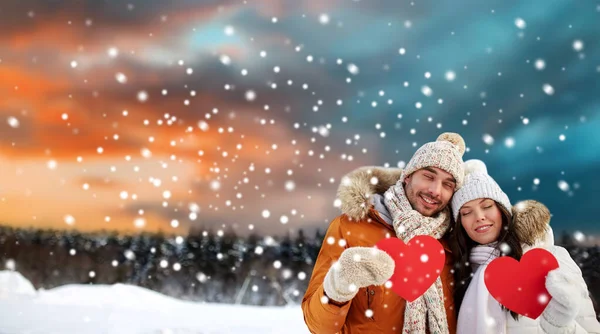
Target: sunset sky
[[148, 115]]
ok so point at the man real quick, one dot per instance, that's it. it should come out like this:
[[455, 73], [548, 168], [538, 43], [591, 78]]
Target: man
[[346, 293]]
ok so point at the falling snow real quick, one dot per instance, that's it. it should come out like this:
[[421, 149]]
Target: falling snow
[[13, 122], [548, 89], [520, 23], [155, 131], [488, 139], [563, 185], [577, 45]]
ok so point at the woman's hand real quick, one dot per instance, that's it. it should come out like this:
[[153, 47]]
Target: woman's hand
[[559, 315]]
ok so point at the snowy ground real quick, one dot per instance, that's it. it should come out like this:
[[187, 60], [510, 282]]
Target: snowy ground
[[129, 309]]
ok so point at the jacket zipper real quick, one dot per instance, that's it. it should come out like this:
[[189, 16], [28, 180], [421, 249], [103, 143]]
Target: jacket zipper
[[369, 301]]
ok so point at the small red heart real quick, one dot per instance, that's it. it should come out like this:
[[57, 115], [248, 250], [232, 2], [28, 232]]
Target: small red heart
[[521, 286], [418, 264]]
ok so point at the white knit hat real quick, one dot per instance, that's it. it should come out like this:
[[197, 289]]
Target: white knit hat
[[445, 153], [478, 184]]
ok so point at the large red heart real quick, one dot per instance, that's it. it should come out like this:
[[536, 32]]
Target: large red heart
[[418, 264], [521, 286]]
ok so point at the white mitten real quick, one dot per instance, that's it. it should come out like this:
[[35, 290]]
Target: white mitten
[[559, 315], [357, 267]]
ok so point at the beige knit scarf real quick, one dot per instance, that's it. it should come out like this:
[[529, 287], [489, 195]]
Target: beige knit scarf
[[408, 223]]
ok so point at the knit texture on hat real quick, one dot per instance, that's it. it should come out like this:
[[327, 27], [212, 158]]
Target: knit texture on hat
[[478, 184], [445, 153]]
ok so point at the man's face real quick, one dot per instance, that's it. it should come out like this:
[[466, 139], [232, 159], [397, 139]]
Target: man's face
[[429, 190]]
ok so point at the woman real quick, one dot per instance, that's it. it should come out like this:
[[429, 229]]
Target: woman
[[487, 226]]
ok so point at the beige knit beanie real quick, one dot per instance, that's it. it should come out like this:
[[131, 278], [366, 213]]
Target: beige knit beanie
[[445, 153]]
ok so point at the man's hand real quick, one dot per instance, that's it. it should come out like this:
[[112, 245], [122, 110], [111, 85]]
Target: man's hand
[[357, 267]]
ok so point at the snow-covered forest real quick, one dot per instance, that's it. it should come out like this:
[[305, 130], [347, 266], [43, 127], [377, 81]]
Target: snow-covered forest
[[207, 267], [204, 266]]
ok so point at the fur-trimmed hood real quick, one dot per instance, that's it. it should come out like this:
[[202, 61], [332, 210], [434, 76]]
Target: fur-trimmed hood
[[532, 218], [358, 186], [532, 223]]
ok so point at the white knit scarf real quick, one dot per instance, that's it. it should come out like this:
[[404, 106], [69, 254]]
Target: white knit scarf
[[479, 311], [408, 223]]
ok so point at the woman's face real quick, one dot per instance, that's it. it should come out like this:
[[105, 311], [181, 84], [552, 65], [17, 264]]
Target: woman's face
[[482, 220]]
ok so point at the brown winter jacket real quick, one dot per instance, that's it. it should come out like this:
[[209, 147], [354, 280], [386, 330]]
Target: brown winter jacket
[[361, 225]]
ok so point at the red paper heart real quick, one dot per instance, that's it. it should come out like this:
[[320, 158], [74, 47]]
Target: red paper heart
[[521, 286], [418, 264]]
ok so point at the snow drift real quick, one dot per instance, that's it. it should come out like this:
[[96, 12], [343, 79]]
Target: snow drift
[[123, 308]]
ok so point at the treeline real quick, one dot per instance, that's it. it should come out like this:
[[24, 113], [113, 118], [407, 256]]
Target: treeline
[[203, 266], [588, 259]]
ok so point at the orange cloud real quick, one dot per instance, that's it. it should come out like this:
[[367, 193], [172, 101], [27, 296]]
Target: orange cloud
[[250, 163], [19, 83]]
